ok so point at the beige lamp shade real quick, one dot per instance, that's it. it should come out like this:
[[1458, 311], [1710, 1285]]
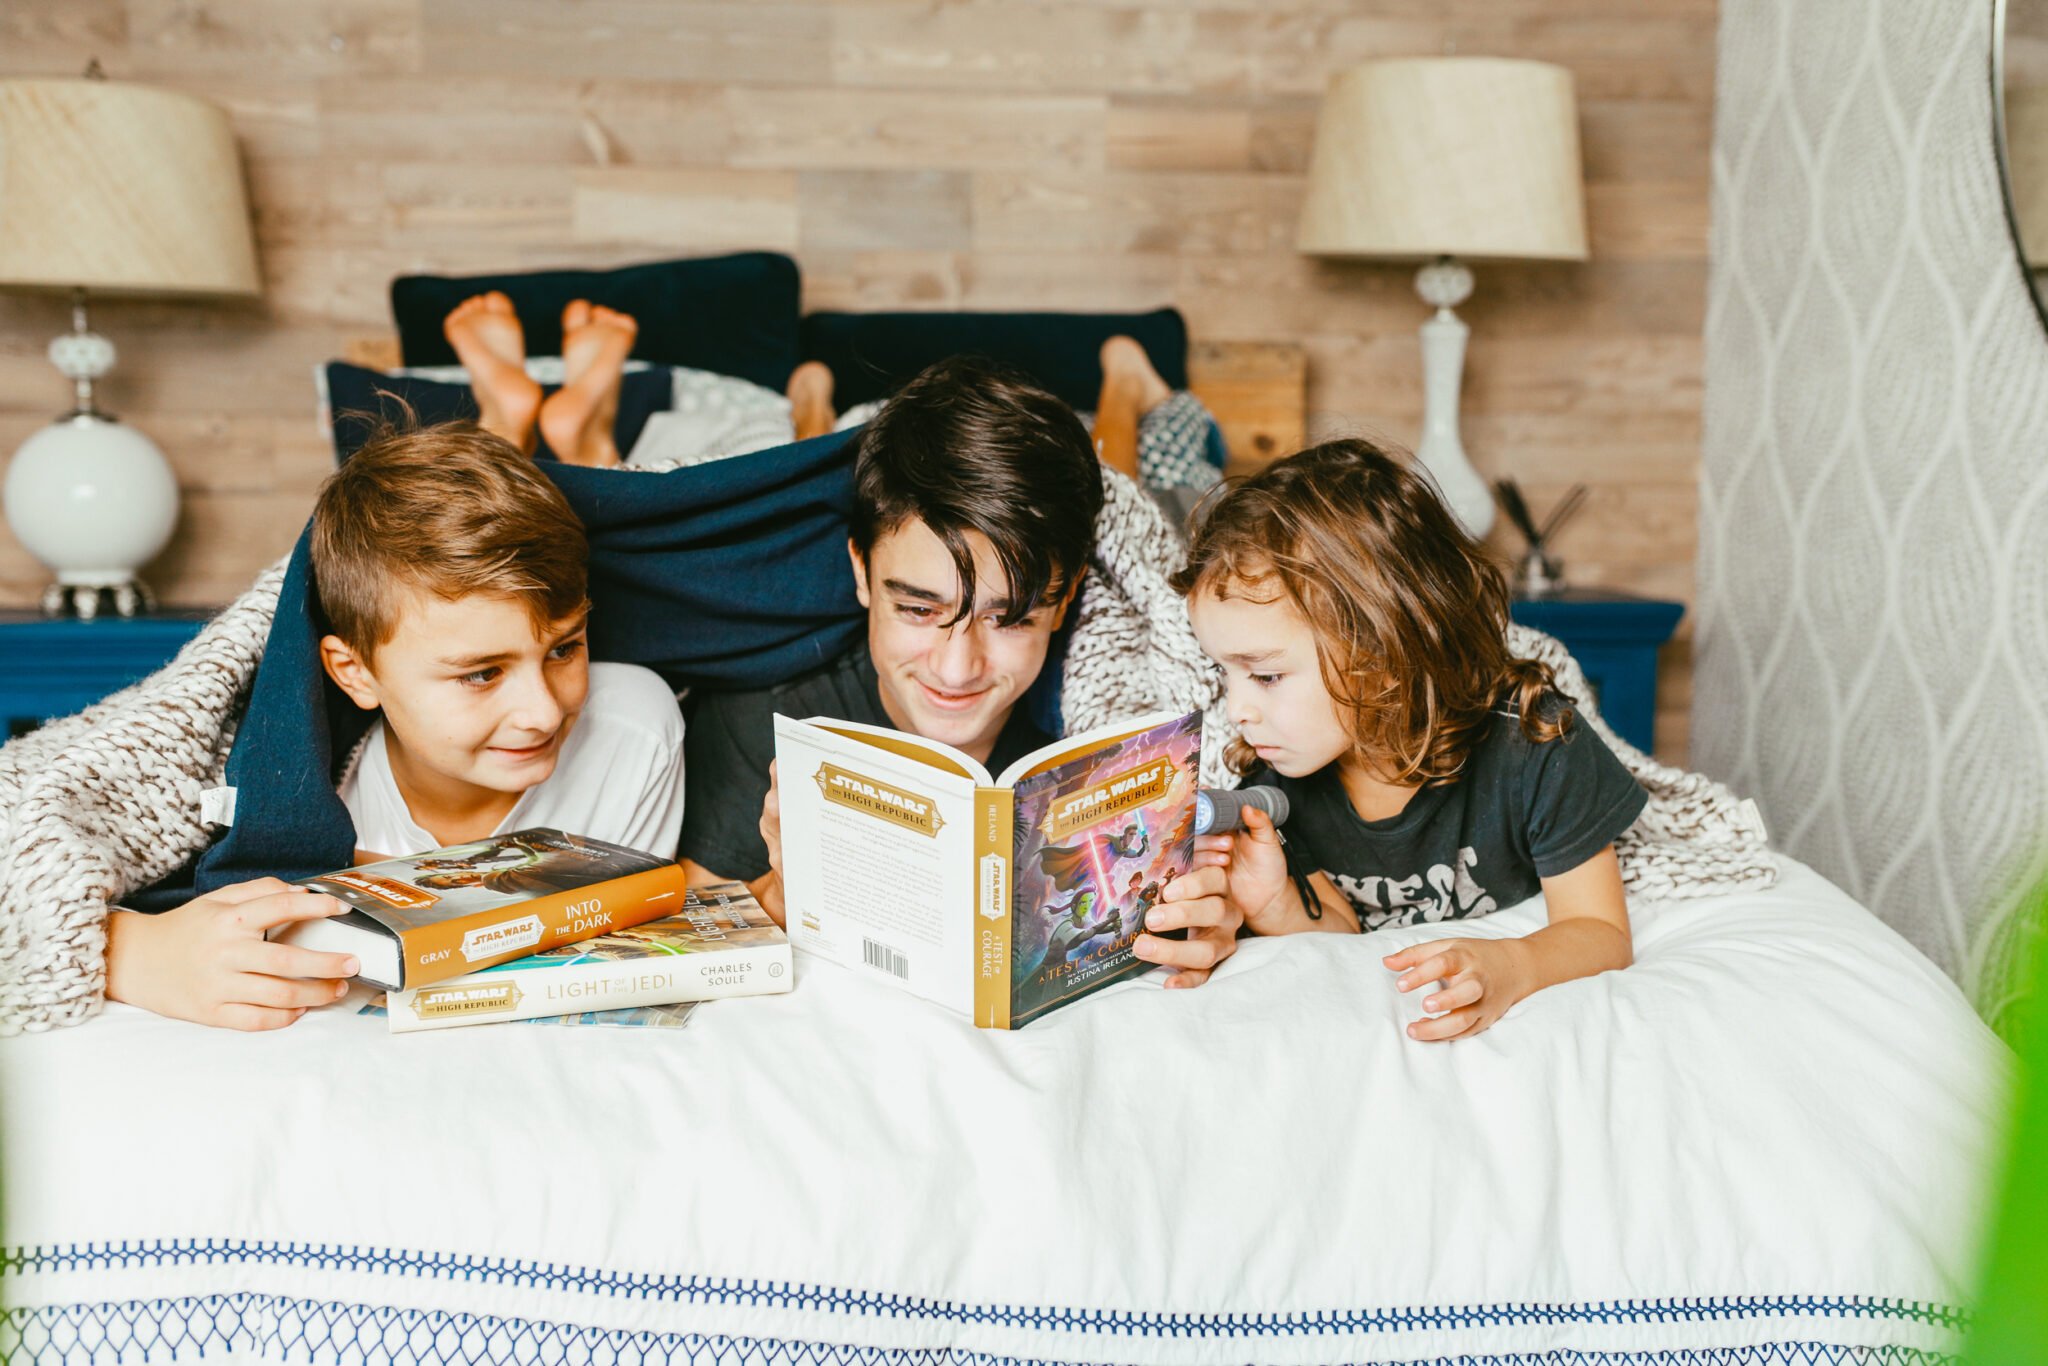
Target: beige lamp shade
[[120, 189], [1474, 157]]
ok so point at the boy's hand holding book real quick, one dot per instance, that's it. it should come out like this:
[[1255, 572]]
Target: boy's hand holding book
[[767, 888], [1198, 903], [208, 961]]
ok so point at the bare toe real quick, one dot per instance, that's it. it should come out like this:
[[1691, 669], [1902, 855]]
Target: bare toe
[[577, 418], [595, 342], [810, 382], [601, 316], [485, 333], [461, 312], [1121, 351], [810, 399], [1123, 359]]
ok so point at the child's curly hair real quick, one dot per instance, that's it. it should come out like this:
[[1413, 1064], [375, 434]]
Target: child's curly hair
[[1409, 615]]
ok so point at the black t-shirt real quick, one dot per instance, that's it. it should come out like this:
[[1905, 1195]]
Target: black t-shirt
[[1519, 812], [730, 741]]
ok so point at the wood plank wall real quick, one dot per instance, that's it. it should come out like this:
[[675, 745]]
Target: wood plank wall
[[941, 154]]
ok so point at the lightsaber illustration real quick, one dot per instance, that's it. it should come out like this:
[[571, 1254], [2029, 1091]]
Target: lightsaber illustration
[[1095, 855]]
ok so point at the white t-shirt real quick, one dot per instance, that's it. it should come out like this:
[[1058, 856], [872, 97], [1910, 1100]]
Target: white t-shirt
[[619, 777]]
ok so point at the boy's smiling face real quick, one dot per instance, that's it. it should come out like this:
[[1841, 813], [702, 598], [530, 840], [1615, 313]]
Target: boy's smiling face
[[957, 684], [475, 700]]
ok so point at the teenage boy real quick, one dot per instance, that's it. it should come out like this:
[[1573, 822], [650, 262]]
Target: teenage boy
[[975, 499], [452, 576]]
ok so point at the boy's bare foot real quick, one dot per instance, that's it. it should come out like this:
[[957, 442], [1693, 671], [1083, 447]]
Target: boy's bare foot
[[1130, 389], [577, 418], [489, 342], [810, 399], [1125, 362]]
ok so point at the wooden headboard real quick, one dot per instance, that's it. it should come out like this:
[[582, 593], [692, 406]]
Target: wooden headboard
[[1258, 394], [1257, 391]]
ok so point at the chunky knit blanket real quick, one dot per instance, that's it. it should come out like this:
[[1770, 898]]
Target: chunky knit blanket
[[99, 804]]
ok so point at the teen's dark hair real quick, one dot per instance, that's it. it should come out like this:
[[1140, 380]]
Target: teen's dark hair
[[970, 445]]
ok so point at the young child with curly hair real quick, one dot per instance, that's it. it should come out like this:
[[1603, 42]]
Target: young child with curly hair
[[1432, 775]]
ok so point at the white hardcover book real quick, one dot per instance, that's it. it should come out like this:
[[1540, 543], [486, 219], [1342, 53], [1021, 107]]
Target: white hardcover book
[[999, 896], [721, 944], [878, 854]]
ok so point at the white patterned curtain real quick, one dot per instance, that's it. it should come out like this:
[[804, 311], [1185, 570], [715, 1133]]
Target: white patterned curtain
[[1873, 597]]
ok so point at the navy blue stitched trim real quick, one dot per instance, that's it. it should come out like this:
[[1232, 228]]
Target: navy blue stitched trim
[[373, 1335], [795, 1295]]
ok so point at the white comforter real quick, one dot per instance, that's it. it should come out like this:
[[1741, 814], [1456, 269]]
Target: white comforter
[[1772, 1130]]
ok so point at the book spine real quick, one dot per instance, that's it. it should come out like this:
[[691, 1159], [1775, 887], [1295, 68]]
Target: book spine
[[611, 984], [995, 810], [434, 953]]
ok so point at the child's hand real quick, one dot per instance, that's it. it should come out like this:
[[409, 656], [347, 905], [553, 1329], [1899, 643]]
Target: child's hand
[[1257, 870], [771, 822], [767, 888], [1196, 902], [207, 961], [1481, 979]]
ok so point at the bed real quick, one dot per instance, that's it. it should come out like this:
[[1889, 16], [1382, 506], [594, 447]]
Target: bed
[[1762, 1143]]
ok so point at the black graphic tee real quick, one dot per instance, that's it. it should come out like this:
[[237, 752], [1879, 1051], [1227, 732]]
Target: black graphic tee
[[1519, 812]]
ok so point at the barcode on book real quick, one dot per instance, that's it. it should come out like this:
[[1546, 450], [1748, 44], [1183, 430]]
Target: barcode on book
[[883, 957]]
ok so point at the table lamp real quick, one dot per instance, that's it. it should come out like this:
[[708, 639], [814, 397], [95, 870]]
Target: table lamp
[[120, 189], [1447, 160]]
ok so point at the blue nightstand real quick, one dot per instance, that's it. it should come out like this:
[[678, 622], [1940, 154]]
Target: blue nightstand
[[1614, 636], [53, 668]]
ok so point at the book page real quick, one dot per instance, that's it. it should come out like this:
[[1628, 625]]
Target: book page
[[877, 859]]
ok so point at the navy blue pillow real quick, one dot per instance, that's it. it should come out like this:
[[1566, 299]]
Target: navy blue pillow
[[361, 401], [872, 354], [734, 315]]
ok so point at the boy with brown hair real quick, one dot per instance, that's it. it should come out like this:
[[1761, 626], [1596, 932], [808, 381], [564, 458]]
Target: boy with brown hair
[[452, 575]]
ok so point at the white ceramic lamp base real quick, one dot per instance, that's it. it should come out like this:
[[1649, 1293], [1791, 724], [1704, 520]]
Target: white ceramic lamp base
[[1444, 285], [90, 498], [95, 500]]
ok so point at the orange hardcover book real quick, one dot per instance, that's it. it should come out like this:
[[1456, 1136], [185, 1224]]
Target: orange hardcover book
[[432, 916]]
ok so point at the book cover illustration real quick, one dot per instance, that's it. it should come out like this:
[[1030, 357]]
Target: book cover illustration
[[486, 875], [1096, 842], [721, 918], [631, 1017], [720, 944]]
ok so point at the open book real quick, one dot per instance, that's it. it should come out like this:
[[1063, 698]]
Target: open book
[[1002, 897]]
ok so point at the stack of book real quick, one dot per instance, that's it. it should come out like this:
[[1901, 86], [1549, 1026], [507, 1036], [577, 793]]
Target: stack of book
[[540, 924], [1004, 897]]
